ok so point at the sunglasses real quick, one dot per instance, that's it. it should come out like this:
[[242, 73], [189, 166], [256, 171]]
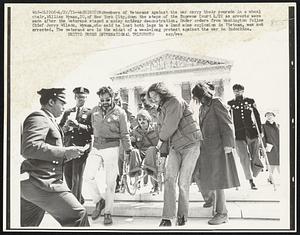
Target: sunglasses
[[105, 100]]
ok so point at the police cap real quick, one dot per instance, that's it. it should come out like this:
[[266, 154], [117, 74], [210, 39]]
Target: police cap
[[238, 87], [81, 90], [51, 93], [269, 113]]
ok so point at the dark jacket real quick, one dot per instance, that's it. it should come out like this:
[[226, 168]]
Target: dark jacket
[[145, 139], [271, 136], [214, 169], [81, 135], [145, 142], [243, 124], [42, 148], [177, 124]]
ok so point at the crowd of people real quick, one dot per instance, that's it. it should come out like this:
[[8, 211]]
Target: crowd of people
[[88, 146]]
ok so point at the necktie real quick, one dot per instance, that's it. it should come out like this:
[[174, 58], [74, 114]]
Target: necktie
[[77, 114]]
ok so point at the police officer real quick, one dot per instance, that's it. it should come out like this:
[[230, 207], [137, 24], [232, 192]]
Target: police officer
[[42, 185], [76, 124], [245, 130]]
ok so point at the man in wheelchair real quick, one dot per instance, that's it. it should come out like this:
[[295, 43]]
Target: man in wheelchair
[[144, 156]]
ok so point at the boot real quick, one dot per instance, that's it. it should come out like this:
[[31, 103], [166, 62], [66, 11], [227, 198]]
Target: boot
[[253, 186], [181, 220], [209, 201], [155, 190], [218, 219], [99, 207], [107, 219], [165, 222]]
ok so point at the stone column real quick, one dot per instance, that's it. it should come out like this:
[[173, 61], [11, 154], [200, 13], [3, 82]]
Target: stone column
[[132, 104], [228, 93]]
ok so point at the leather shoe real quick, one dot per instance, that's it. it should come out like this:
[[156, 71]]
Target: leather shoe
[[154, 190], [107, 219], [165, 222], [208, 204], [181, 220], [210, 201], [99, 207], [253, 186], [218, 219]]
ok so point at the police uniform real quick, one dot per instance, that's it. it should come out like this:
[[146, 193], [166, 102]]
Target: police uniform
[[44, 189], [245, 131], [79, 136]]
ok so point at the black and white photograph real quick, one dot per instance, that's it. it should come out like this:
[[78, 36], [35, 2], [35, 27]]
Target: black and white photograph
[[161, 117]]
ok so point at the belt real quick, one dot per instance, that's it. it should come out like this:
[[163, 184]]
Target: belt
[[101, 140]]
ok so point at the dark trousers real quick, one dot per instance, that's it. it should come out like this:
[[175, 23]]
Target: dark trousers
[[73, 171], [63, 206]]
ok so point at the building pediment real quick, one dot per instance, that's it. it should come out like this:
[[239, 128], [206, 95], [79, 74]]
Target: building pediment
[[170, 62]]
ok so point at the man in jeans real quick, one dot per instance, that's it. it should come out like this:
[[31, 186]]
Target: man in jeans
[[109, 124], [178, 127]]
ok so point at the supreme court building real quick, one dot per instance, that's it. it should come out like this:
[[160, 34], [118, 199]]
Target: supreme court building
[[182, 70]]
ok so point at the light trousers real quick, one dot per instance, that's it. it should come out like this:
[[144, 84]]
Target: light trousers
[[100, 175]]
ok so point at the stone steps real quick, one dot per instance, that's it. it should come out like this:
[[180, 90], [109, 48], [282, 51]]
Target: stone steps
[[243, 210], [243, 203]]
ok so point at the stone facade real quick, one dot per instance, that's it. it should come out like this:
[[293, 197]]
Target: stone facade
[[181, 70]]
